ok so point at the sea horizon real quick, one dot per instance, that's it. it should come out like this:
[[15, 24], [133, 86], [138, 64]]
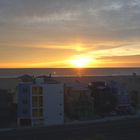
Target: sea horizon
[[16, 72]]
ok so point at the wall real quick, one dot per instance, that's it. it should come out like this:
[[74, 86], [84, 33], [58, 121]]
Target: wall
[[53, 103]]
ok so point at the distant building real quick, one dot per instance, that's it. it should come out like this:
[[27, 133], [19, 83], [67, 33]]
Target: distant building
[[5, 103], [41, 102], [7, 109], [98, 84], [121, 92], [78, 102], [105, 101]]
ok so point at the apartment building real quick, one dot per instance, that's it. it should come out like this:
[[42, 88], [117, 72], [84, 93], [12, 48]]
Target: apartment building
[[41, 102]]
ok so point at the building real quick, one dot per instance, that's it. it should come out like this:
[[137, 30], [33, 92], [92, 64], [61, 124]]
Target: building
[[123, 99], [41, 102], [105, 101], [79, 104], [5, 103], [7, 112]]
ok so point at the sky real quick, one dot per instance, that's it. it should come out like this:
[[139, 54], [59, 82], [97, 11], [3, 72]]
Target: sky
[[69, 33]]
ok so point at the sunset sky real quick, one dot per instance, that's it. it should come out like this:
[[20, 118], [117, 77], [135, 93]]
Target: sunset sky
[[69, 33]]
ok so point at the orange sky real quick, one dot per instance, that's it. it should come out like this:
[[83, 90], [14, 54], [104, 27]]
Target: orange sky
[[62, 33]]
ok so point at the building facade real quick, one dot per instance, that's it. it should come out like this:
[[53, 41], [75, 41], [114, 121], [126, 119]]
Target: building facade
[[40, 103], [79, 104]]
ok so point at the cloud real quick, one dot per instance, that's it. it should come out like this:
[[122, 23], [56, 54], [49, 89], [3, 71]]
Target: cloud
[[129, 58], [32, 55], [124, 50], [120, 61], [91, 19], [92, 27]]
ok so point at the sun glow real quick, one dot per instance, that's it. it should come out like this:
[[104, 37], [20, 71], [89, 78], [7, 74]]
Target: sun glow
[[81, 62]]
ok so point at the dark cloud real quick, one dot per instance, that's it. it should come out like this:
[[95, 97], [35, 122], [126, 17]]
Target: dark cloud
[[57, 21]]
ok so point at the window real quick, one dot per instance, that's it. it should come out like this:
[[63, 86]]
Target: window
[[37, 112], [37, 101], [37, 90], [25, 90], [25, 111]]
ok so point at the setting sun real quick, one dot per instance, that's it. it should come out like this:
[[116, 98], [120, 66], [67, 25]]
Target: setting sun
[[81, 62]]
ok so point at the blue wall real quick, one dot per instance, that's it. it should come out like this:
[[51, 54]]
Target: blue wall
[[24, 100]]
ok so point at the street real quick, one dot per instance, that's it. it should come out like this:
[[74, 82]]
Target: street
[[126, 129]]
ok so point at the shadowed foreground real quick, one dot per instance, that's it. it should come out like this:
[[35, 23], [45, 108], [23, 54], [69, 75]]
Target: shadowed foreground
[[126, 129]]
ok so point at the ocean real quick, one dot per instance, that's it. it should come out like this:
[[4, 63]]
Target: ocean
[[68, 71]]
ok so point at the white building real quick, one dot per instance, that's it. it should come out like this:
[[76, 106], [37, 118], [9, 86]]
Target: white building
[[53, 103], [41, 103]]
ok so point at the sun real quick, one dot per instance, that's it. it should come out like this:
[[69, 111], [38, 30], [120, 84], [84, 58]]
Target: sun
[[80, 62]]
